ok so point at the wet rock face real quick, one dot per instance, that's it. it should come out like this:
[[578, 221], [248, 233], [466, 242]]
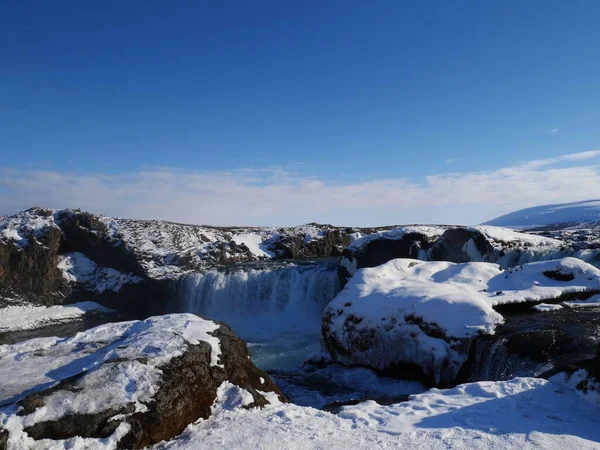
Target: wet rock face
[[185, 392], [537, 344]]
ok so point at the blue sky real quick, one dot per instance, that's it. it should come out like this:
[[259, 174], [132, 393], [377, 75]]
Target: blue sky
[[341, 92]]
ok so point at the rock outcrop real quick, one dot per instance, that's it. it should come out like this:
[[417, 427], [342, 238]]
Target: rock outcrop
[[505, 247], [50, 257], [135, 383], [420, 320]]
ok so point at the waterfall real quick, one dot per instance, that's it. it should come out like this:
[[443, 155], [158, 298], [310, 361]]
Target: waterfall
[[494, 361], [297, 289], [275, 307]]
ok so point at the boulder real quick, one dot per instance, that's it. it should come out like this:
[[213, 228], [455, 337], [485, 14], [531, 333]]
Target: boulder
[[417, 320], [131, 383], [456, 244], [462, 244], [378, 248]]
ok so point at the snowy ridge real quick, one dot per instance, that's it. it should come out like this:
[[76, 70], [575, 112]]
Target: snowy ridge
[[583, 212], [423, 312], [163, 245]]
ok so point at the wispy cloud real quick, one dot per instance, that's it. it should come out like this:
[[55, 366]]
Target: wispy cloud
[[274, 196], [552, 131]]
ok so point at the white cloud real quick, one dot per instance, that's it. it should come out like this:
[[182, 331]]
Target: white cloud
[[552, 131], [273, 196]]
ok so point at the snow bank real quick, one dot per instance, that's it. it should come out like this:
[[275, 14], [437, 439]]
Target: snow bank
[[77, 268], [424, 313], [518, 414], [254, 242], [29, 317]]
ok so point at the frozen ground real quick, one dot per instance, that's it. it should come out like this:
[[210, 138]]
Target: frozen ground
[[524, 413]]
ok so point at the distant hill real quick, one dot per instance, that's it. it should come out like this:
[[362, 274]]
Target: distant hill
[[543, 216]]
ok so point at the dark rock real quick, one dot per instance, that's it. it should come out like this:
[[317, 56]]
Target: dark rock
[[3, 439], [536, 344], [452, 246], [30, 271]]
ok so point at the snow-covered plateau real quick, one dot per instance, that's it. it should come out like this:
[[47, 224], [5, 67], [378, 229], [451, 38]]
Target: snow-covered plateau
[[120, 333]]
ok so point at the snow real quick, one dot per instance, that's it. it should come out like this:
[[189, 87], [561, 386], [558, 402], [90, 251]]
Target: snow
[[421, 312], [254, 242], [583, 304], [432, 232], [120, 363], [29, 317], [524, 413], [230, 397], [539, 216], [581, 382], [507, 236], [544, 307], [76, 267]]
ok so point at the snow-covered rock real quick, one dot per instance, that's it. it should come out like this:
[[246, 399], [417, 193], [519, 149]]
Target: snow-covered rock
[[503, 246], [416, 319], [78, 268], [57, 256], [127, 384]]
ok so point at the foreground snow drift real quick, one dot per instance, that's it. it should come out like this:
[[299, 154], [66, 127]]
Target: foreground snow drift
[[132, 383], [517, 414], [417, 318]]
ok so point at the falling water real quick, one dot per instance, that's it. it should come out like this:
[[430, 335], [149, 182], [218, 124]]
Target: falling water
[[275, 307]]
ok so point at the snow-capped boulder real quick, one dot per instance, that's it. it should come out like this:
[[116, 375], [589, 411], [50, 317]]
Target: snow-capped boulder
[[416, 319], [377, 248], [131, 384]]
